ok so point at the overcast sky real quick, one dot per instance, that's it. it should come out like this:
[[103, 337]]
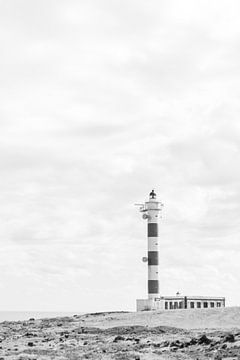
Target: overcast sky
[[102, 101]]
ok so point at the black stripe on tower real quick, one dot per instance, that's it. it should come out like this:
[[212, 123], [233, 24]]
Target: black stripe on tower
[[153, 286], [152, 257], [152, 229]]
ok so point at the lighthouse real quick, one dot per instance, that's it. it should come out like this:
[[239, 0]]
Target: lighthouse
[[151, 211]]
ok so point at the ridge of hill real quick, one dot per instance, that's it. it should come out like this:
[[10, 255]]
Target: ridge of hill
[[161, 335], [228, 317]]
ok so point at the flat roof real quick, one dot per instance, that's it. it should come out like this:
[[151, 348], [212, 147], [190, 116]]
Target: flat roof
[[180, 297]]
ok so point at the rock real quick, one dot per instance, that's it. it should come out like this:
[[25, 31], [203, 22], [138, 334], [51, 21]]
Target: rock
[[229, 338], [85, 343], [213, 345], [46, 339], [29, 334], [177, 344], [64, 333], [204, 340], [30, 343], [31, 319], [218, 357], [165, 344], [118, 338], [193, 341]]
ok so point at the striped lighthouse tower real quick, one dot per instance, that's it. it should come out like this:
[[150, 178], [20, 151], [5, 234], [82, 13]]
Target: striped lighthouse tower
[[151, 211]]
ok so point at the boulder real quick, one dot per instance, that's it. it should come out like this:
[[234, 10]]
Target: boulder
[[118, 338], [204, 340], [229, 338]]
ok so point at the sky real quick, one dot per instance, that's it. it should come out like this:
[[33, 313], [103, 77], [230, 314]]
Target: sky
[[101, 102]]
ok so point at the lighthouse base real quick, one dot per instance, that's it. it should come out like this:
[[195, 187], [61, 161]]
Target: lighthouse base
[[150, 304], [180, 302]]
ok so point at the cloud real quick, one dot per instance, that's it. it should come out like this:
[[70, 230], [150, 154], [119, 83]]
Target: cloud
[[100, 103]]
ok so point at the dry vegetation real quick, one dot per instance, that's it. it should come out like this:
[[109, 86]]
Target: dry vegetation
[[178, 334]]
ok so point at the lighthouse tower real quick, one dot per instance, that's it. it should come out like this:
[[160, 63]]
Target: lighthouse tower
[[151, 212]]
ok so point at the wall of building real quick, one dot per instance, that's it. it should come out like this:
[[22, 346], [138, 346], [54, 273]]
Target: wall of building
[[206, 303], [184, 302], [149, 304]]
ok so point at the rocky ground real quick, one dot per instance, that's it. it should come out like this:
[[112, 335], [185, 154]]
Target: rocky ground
[[121, 335]]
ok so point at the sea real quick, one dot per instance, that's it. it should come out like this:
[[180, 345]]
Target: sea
[[26, 315]]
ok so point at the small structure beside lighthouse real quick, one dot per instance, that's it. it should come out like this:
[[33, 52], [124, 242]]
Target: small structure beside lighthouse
[[151, 210]]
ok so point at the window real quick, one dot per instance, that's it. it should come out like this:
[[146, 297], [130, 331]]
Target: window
[[166, 305], [170, 305], [180, 305], [198, 305], [205, 304], [192, 305], [211, 304], [175, 305], [218, 304]]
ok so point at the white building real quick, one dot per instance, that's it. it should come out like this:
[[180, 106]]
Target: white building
[[180, 302]]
